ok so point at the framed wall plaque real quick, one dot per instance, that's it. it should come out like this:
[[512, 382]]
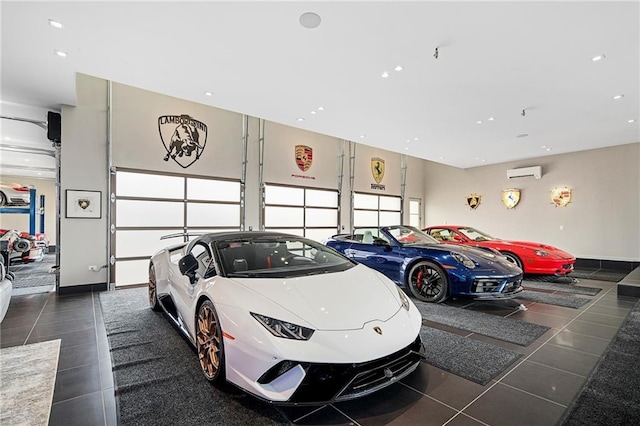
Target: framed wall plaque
[[83, 204]]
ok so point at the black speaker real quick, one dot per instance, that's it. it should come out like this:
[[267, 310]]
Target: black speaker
[[54, 126]]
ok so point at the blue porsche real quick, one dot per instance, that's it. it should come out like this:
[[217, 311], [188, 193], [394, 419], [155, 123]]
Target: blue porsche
[[431, 270]]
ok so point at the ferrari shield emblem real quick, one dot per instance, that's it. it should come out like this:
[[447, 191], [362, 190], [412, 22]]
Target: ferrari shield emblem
[[511, 197], [183, 137], [304, 157], [473, 201], [377, 169], [561, 196], [84, 203]]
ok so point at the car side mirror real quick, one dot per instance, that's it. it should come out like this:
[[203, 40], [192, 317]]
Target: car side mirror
[[457, 238], [188, 266]]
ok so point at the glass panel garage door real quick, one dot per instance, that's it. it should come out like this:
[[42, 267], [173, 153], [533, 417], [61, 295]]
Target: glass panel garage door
[[376, 210], [309, 212], [148, 206]]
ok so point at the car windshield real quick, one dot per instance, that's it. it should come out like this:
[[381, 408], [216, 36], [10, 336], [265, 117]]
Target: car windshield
[[475, 235], [408, 235], [278, 257]]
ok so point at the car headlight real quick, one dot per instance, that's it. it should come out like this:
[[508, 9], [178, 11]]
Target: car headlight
[[403, 299], [283, 329], [541, 253], [461, 258]]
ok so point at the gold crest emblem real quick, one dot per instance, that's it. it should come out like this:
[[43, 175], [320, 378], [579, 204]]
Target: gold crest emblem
[[304, 157], [561, 196], [377, 169], [473, 200], [377, 330], [511, 197]]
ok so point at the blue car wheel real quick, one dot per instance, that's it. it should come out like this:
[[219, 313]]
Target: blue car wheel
[[428, 282]]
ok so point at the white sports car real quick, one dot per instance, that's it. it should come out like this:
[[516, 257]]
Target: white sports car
[[285, 318]]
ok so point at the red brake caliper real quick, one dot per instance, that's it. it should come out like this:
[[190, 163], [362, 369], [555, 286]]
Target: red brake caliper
[[419, 280]]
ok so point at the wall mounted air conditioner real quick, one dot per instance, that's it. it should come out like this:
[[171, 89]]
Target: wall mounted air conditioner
[[535, 171]]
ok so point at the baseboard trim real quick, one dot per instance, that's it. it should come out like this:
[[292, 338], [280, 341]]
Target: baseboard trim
[[74, 289], [609, 265]]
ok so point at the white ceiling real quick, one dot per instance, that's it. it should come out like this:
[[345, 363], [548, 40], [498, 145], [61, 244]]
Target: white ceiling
[[495, 59]]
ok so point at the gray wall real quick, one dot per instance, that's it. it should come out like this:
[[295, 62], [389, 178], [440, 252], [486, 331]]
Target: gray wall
[[601, 222]]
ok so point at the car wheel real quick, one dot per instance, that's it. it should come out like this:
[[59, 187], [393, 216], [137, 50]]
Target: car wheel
[[153, 290], [428, 282], [513, 259], [209, 341], [3, 199]]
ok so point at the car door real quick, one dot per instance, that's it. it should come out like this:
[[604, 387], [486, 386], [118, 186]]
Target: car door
[[378, 253]]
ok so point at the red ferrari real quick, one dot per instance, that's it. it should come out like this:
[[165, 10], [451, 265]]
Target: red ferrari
[[532, 258]]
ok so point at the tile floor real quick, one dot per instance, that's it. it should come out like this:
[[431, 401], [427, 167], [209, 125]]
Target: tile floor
[[535, 390]]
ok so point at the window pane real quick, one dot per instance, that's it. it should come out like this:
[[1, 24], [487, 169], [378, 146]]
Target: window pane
[[201, 214], [320, 234], [283, 195], [149, 213], [390, 218], [292, 231], [142, 243], [365, 218], [414, 206], [130, 272], [321, 217], [213, 190], [283, 216], [414, 220], [365, 201], [319, 198], [149, 186], [390, 203]]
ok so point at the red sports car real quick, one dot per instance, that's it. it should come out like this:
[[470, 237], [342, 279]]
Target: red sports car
[[532, 258]]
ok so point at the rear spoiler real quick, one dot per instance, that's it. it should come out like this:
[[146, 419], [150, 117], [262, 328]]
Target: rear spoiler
[[183, 234]]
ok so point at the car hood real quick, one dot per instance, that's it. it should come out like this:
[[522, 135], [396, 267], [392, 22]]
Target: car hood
[[335, 301], [535, 246], [486, 262]]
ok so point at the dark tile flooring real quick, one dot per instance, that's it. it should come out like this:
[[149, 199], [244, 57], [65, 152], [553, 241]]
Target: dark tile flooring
[[535, 390]]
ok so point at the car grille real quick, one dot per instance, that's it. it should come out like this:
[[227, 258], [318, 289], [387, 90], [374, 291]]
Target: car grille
[[492, 285], [341, 382]]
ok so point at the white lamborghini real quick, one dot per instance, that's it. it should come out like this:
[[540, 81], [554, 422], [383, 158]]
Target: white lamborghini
[[286, 319]]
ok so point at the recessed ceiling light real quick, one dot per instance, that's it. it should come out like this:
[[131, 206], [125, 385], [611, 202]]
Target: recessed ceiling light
[[491, 118], [60, 53], [442, 158], [320, 108], [477, 158], [300, 119], [407, 148], [484, 160], [616, 97], [363, 136], [313, 112], [543, 146], [479, 122], [208, 94], [39, 173], [415, 139], [631, 121], [408, 141], [310, 20], [398, 68], [598, 58], [26, 159], [384, 74], [522, 135], [55, 24], [547, 149]]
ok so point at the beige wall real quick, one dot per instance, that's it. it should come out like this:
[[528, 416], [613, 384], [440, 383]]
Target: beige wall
[[20, 222], [601, 222]]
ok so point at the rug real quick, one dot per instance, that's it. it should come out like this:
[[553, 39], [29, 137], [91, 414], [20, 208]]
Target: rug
[[27, 381], [565, 288], [157, 375], [474, 360], [506, 329], [553, 299]]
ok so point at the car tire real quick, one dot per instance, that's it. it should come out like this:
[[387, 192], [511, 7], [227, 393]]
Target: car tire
[[428, 282], [3, 199], [209, 343], [153, 289], [513, 259]]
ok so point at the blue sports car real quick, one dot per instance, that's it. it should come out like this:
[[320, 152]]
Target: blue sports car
[[431, 270]]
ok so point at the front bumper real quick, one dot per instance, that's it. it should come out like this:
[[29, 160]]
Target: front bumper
[[483, 288]]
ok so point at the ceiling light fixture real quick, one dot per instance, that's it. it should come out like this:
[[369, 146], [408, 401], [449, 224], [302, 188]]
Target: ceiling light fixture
[[55, 24], [631, 121], [398, 68], [616, 97], [208, 93], [415, 139], [479, 122], [320, 108], [522, 135], [60, 53], [384, 74], [313, 112], [310, 20], [300, 119], [598, 58], [491, 118], [547, 149], [363, 136]]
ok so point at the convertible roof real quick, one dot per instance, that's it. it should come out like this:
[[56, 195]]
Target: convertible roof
[[242, 235]]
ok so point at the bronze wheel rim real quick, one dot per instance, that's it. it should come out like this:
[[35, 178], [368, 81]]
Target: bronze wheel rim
[[209, 342], [427, 281], [152, 287]]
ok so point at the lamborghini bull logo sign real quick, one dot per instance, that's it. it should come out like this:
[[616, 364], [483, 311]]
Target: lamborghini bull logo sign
[[304, 157], [183, 137]]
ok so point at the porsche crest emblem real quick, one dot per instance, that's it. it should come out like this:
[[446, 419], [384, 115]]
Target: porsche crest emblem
[[473, 201], [377, 330], [561, 196], [304, 157], [377, 169], [84, 203], [183, 137], [511, 197]]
